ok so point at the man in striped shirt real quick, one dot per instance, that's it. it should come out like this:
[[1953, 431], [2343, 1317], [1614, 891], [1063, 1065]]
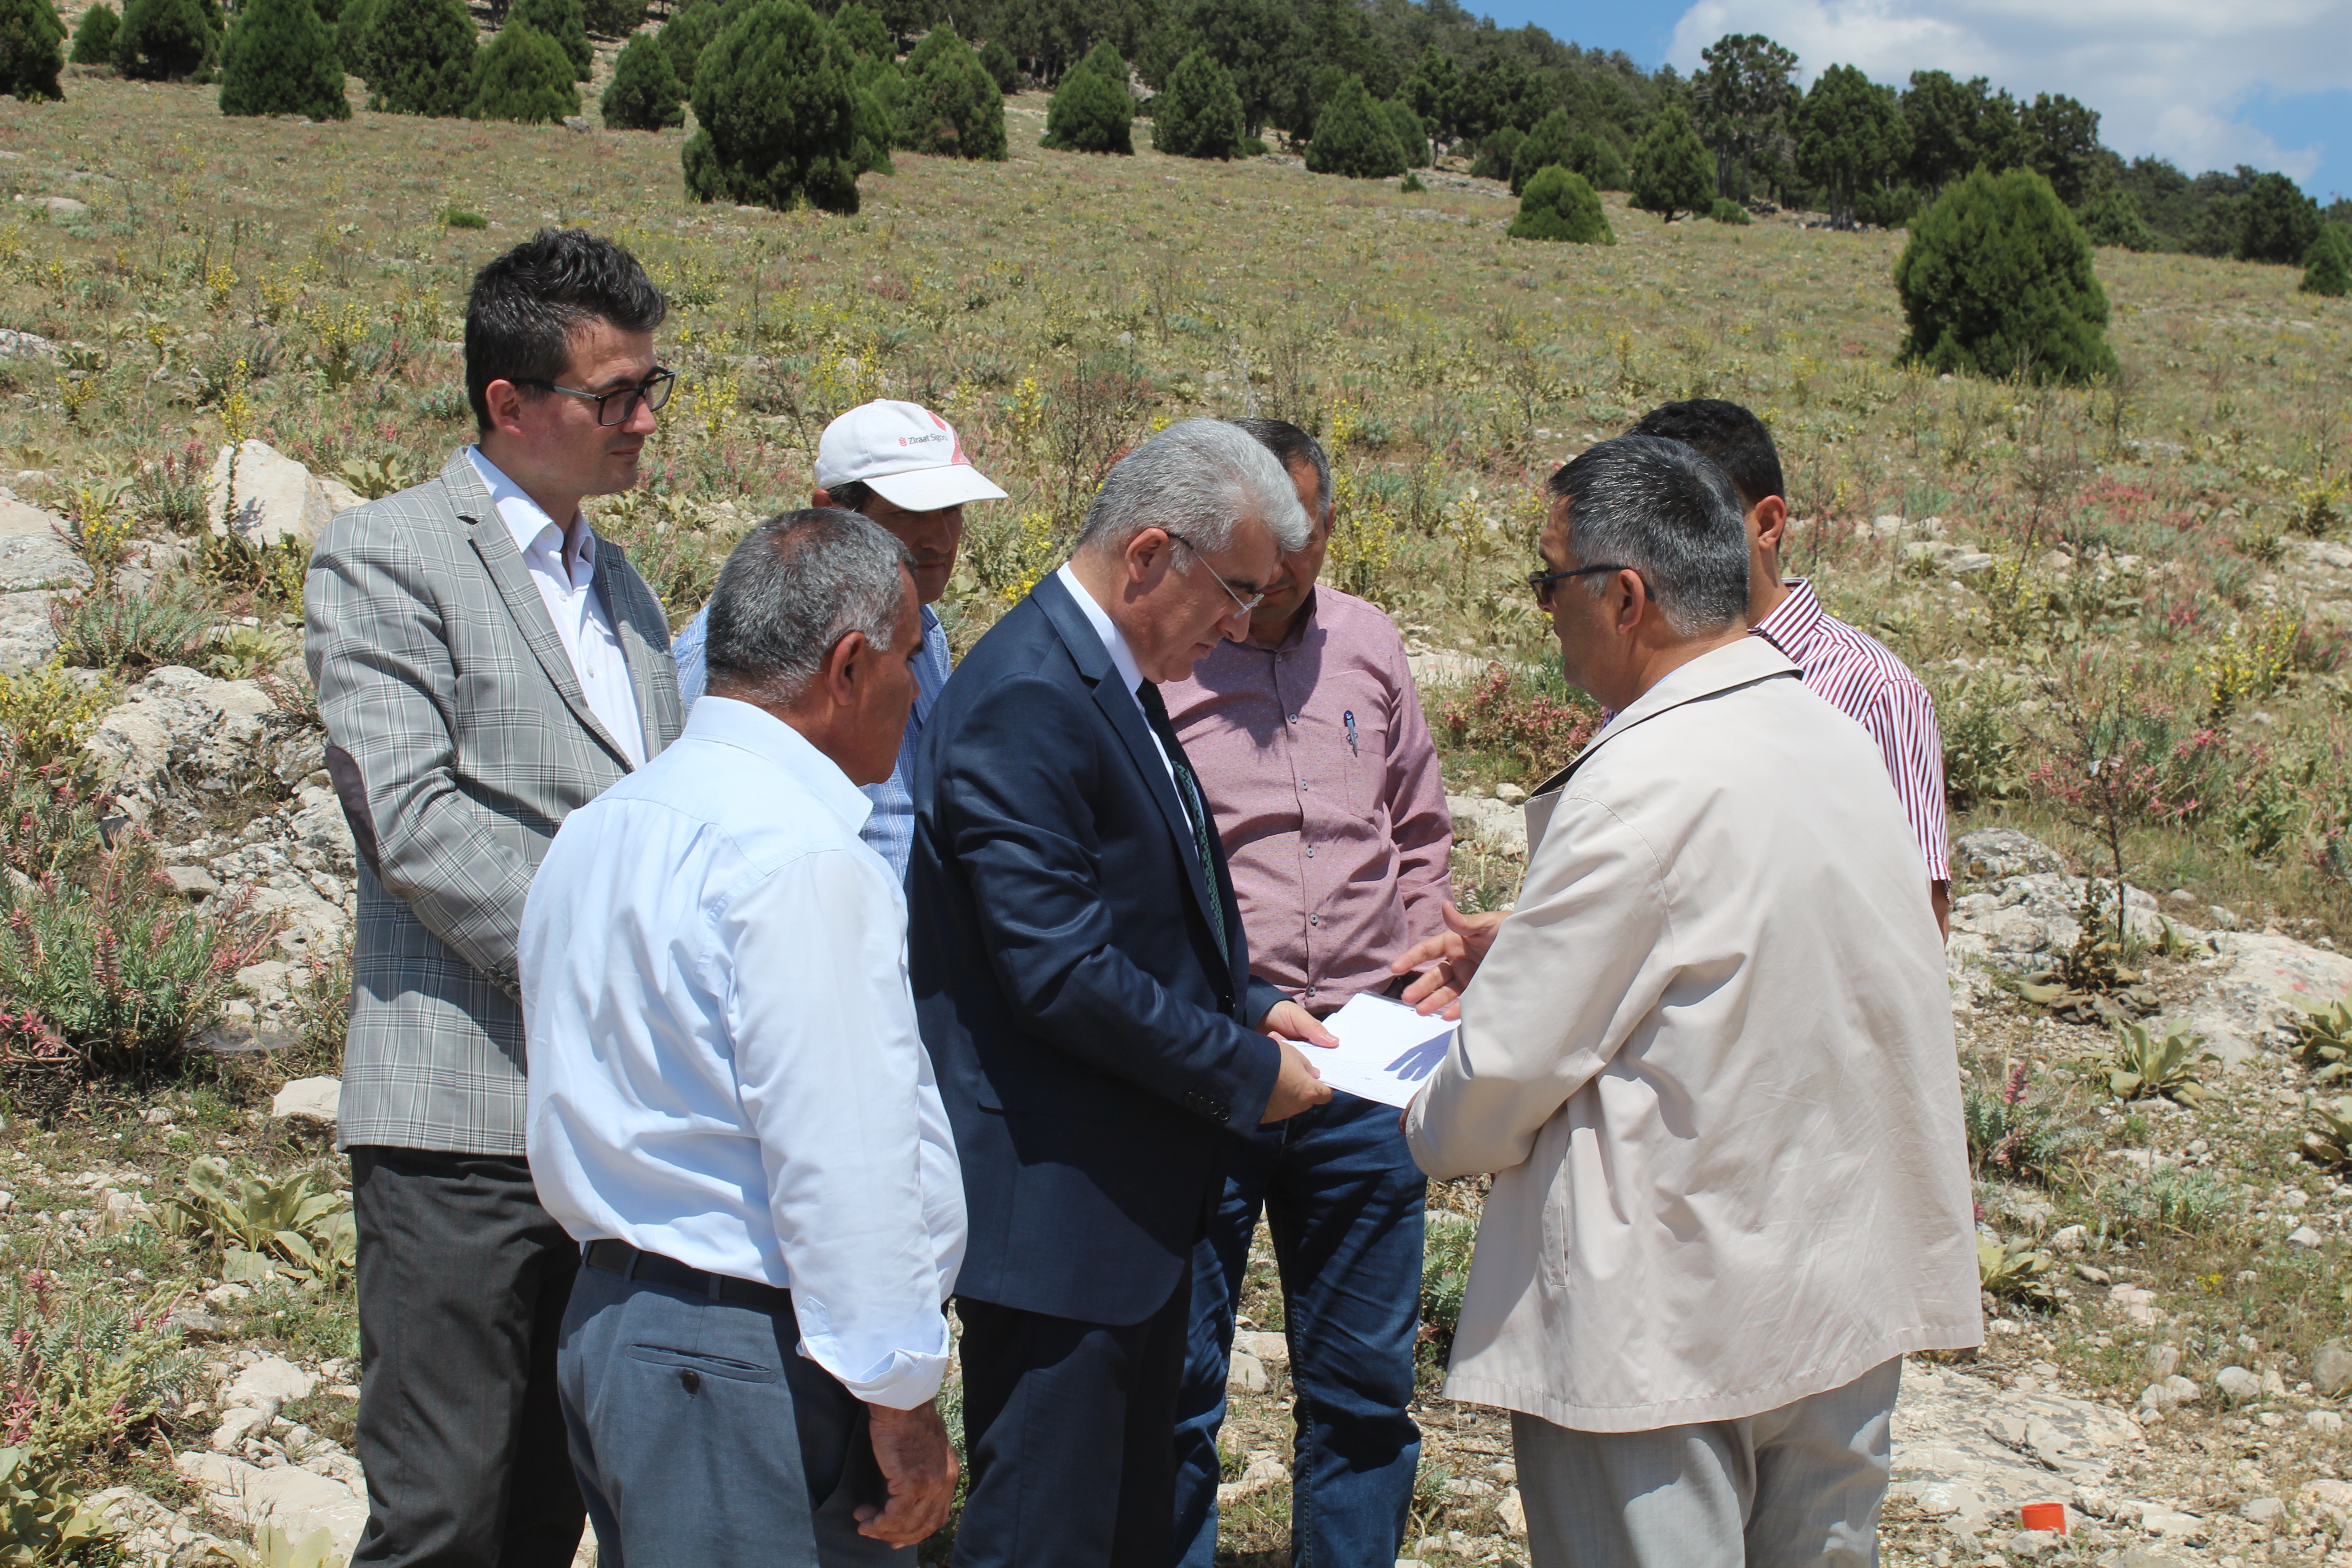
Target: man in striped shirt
[[1850, 669]]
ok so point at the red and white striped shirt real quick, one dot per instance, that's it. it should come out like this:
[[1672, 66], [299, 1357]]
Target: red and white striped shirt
[[1857, 675]]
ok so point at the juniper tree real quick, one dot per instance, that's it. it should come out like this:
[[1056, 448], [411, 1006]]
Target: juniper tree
[[777, 112], [689, 32], [953, 106], [1199, 115], [562, 21], [2280, 222], [1997, 280], [31, 49], [1353, 137], [1597, 159], [93, 43], [643, 94], [859, 27], [1851, 137], [352, 34], [613, 18], [2327, 265], [420, 57], [1497, 153], [2112, 217], [1092, 111], [1541, 148], [1001, 67], [1412, 136], [167, 41], [524, 76], [281, 59], [1672, 170], [1558, 204]]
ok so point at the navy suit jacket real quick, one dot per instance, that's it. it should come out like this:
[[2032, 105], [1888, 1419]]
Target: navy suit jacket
[[1092, 1042]]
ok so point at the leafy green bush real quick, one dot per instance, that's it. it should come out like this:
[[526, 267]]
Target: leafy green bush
[[1726, 210], [953, 106], [2278, 222], [1497, 154], [2020, 1273], [861, 29], [562, 21], [1559, 206], [420, 57], [1412, 135], [1673, 171], [2146, 1063], [1001, 67], [2165, 1204], [1544, 146], [643, 94], [1353, 137], [1447, 1244], [94, 40], [689, 31], [296, 1228], [2013, 1135], [2327, 265], [523, 76], [613, 18], [280, 59], [32, 50], [1092, 110], [1596, 158], [168, 40], [1996, 279], [1199, 115], [43, 1519], [131, 630], [778, 116], [85, 1367], [2112, 217], [45, 714], [352, 27]]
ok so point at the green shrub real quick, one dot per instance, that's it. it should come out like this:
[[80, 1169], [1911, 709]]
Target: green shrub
[[2327, 265], [86, 1366], [643, 94], [45, 713], [94, 40], [523, 76], [860, 27], [1996, 279], [1410, 184], [1596, 158], [779, 120], [1412, 135], [420, 57], [167, 41], [131, 630], [43, 1518], [689, 32], [1673, 171], [297, 1227], [1561, 205], [881, 92], [1447, 1244], [1542, 147], [1092, 111], [352, 34], [1497, 154], [1199, 115], [280, 59], [562, 21], [1726, 210], [613, 18], [1353, 137], [953, 106], [2112, 217], [32, 50], [1001, 67], [2280, 222]]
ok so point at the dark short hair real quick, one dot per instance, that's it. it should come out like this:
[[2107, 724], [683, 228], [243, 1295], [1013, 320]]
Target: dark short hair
[[851, 495], [1291, 447], [527, 305], [796, 585], [1729, 434], [1666, 510]]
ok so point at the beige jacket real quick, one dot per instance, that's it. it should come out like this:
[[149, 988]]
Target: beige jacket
[[1710, 1059]]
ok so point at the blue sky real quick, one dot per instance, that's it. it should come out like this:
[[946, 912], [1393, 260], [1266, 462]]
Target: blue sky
[[2266, 82]]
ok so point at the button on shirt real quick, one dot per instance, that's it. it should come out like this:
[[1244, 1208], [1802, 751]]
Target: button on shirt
[[1319, 768], [562, 564], [724, 1063], [891, 828]]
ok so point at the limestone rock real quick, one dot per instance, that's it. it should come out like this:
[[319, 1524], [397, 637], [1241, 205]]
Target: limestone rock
[[2262, 1510], [1271, 1349], [61, 206], [33, 554], [27, 639], [1991, 854], [270, 1379], [15, 344], [181, 727], [1245, 1374], [2238, 1384], [277, 497], [293, 1499], [2331, 1367], [2253, 997], [192, 881], [2170, 1394], [310, 1100], [238, 1422], [1484, 818], [1970, 1451], [2163, 1360]]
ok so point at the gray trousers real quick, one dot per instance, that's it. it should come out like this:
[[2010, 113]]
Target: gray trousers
[[703, 1438], [1798, 1487]]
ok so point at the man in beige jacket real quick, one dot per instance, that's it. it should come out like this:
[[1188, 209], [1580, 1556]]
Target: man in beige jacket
[[1710, 1058]]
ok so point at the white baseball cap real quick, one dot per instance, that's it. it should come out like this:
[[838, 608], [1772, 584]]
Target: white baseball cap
[[908, 455]]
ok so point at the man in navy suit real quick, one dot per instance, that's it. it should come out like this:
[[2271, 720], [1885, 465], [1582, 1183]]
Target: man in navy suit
[[1083, 984]]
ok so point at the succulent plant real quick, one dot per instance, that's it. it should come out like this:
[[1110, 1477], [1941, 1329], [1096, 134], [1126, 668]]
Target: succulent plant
[[2017, 1272], [2147, 1064], [2323, 1039], [2329, 1145]]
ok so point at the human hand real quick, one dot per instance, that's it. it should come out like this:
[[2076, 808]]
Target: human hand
[[1447, 962], [1298, 1087], [1289, 1021], [919, 1464]]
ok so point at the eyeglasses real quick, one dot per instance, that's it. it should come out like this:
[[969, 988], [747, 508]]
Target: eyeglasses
[[1244, 605], [1541, 582], [654, 389]]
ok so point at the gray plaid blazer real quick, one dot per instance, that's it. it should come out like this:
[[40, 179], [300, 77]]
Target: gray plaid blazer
[[459, 739]]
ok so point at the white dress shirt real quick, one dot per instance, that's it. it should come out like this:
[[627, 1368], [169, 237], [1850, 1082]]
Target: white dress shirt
[[1122, 657], [724, 1063], [562, 562]]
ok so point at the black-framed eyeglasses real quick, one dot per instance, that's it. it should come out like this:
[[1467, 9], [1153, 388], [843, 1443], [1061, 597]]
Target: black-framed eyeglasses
[[1244, 606], [654, 389], [1541, 582]]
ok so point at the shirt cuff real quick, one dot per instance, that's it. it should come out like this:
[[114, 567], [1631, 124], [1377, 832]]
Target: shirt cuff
[[900, 1379]]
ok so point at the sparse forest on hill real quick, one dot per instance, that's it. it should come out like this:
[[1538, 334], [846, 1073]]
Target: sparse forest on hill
[[2131, 596]]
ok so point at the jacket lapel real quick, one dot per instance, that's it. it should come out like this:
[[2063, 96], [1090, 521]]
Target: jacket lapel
[[636, 648], [470, 499]]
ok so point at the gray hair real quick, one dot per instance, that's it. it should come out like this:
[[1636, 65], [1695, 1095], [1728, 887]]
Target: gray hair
[[797, 584], [1198, 479], [1671, 513], [1291, 448]]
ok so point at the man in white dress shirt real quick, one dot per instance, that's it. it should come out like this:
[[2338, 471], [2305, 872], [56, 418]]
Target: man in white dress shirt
[[1709, 1058], [730, 1108]]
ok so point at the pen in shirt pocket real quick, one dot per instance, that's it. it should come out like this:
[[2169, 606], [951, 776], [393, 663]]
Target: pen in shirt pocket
[[1348, 719]]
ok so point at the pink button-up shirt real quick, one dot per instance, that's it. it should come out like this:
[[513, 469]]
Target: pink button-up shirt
[[1318, 765]]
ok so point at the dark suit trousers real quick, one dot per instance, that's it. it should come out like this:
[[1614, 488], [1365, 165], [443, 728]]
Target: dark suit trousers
[[1070, 1433], [463, 1281]]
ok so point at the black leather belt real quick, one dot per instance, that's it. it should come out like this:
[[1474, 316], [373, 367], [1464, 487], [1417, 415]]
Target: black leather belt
[[634, 1263]]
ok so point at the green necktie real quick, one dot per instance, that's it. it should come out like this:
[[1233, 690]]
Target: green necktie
[[1188, 790]]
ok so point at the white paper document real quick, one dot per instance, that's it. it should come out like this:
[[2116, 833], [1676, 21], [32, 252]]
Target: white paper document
[[1386, 1050]]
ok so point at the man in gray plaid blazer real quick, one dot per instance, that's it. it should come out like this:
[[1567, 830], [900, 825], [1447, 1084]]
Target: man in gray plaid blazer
[[485, 665]]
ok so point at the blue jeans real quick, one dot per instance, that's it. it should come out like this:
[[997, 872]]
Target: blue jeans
[[702, 1438], [1344, 1202]]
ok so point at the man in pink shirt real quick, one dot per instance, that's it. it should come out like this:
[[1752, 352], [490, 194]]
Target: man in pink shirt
[[1311, 746]]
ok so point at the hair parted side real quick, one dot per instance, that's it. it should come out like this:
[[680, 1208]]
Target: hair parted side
[[1199, 478], [1669, 511], [795, 587], [526, 304]]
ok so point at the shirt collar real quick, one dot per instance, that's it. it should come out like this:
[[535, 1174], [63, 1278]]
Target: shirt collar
[[525, 518], [1795, 622], [726, 722], [1298, 628], [1121, 657]]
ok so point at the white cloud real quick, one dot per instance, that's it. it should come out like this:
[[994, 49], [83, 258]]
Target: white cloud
[[2169, 76]]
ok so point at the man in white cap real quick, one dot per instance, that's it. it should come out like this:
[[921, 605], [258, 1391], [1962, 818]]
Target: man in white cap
[[900, 464]]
